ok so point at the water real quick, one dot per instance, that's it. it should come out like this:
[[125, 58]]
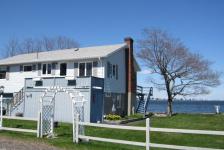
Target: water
[[186, 106]]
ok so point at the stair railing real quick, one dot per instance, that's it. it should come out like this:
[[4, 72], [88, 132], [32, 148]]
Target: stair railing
[[17, 99]]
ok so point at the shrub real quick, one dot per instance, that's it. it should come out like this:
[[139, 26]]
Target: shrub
[[113, 117]]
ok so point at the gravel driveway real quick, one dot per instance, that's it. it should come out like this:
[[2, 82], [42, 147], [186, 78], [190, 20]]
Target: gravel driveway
[[14, 144]]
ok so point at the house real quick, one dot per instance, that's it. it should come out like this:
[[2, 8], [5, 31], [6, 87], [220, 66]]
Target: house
[[113, 66]]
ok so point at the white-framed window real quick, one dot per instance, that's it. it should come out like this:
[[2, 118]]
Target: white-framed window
[[27, 68], [112, 70], [85, 69], [46, 69]]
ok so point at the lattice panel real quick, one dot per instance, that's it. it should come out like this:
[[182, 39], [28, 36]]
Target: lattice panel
[[46, 119], [78, 106]]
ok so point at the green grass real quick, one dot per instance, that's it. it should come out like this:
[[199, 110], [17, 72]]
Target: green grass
[[185, 121]]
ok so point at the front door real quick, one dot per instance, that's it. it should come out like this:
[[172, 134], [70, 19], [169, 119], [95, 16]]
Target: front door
[[63, 69]]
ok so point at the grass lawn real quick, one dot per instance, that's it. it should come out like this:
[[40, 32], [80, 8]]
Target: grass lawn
[[185, 121]]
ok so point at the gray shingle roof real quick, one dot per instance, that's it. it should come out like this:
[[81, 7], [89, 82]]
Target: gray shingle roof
[[67, 54]]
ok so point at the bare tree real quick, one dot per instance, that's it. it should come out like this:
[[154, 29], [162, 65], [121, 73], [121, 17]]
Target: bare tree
[[62, 42], [183, 72], [12, 47], [30, 45], [48, 43]]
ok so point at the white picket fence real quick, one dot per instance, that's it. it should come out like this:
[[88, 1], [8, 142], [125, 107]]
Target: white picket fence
[[147, 130]]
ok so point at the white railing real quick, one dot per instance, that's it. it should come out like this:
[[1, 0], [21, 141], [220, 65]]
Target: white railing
[[18, 129], [147, 129], [16, 118]]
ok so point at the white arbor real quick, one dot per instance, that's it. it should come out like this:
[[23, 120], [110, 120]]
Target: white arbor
[[47, 109]]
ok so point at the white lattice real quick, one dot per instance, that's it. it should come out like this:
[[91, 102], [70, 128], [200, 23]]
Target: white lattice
[[48, 107]]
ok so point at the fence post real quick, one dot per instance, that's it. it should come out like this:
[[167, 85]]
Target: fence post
[[1, 98], [73, 121], [147, 134], [77, 129], [38, 124]]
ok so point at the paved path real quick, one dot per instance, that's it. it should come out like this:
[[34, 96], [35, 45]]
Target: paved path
[[14, 144]]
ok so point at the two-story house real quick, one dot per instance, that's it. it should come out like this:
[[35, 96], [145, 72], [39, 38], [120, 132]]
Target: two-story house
[[115, 65]]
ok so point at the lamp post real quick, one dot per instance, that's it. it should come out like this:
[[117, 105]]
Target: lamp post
[[1, 99]]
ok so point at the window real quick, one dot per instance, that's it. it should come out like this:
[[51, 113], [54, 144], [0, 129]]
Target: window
[[27, 68], [82, 69], [2, 74], [39, 66], [63, 69], [85, 69], [54, 66], [34, 67], [95, 64], [76, 65], [44, 69], [89, 69], [117, 72], [112, 70], [49, 69], [71, 82], [39, 83]]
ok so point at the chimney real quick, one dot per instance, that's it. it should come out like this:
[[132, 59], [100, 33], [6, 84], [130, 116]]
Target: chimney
[[130, 75]]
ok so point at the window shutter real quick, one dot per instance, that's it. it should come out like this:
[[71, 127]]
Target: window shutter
[[108, 69], [53, 70], [117, 72], [21, 68], [95, 64], [7, 73], [76, 68], [34, 67], [39, 69]]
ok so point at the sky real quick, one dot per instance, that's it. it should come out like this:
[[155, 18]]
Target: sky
[[198, 23]]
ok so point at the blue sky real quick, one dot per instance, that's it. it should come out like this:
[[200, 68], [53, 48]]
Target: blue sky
[[199, 23]]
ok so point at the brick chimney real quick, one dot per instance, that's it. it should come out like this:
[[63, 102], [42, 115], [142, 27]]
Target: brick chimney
[[130, 75]]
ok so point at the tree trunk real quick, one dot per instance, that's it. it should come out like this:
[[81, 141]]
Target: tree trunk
[[169, 107]]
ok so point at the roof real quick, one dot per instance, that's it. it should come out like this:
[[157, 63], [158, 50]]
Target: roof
[[66, 54]]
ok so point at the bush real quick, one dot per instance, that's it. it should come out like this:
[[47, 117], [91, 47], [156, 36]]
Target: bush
[[113, 117]]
